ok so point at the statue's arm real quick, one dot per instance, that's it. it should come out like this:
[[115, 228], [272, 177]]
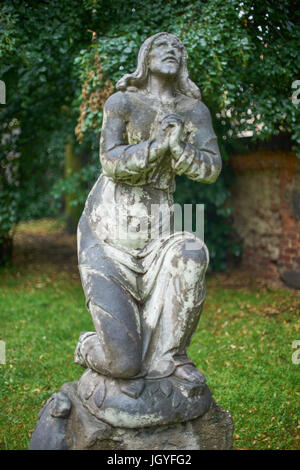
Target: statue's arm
[[119, 159], [199, 158]]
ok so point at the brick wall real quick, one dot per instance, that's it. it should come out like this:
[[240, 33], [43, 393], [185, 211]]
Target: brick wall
[[266, 205]]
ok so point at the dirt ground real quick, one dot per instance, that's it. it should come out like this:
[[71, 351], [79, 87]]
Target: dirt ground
[[44, 244]]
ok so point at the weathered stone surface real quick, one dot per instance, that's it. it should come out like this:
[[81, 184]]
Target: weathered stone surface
[[255, 201], [83, 431], [295, 196], [266, 207], [144, 281], [291, 279], [51, 429], [160, 401]]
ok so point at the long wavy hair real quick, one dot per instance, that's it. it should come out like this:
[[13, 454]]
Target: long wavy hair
[[139, 78]]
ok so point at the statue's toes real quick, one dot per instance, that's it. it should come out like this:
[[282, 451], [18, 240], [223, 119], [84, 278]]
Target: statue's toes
[[198, 377], [191, 374]]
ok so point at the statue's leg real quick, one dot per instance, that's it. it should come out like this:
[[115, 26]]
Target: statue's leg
[[115, 349], [173, 309]]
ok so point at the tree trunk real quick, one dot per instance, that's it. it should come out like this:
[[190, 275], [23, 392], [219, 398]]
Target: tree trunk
[[72, 165], [6, 249]]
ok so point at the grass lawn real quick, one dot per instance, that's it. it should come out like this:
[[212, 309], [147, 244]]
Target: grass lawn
[[243, 345]]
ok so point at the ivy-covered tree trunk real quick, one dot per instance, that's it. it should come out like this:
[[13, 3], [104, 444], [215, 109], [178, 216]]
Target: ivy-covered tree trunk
[[6, 249], [72, 165]]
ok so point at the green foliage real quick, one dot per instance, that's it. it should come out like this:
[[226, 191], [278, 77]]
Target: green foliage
[[243, 55], [37, 52], [235, 48]]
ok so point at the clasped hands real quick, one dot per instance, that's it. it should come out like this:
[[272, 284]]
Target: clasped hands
[[168, 138]]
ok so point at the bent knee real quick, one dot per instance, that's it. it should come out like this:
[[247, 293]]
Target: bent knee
[[187, 251], [196, 252], [125, 369]]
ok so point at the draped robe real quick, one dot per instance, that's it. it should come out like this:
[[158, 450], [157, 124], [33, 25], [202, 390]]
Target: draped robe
[[144, 292]]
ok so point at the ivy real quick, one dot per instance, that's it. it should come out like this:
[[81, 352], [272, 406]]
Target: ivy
[[243, 55]]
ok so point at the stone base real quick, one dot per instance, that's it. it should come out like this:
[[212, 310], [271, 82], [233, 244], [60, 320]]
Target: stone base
[[291, 279], [143, 403], [64, 423]]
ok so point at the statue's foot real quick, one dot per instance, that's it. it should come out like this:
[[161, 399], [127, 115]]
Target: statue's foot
[[78, 357], [132, 388], [189, 373]]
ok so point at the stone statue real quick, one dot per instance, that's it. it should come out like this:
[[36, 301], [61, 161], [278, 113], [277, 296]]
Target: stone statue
[[145, 293]]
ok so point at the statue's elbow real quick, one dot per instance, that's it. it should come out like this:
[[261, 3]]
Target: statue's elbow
[[215, 172]]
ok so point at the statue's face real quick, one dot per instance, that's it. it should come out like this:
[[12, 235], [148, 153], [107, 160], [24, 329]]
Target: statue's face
[[165, 56]]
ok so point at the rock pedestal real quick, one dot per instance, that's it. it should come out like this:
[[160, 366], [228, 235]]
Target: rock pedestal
[[144, 282], [65, 424]]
